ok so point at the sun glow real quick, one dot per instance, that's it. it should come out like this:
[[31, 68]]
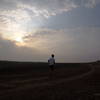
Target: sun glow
[[19, 39]]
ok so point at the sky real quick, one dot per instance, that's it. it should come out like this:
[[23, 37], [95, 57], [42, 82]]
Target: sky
[[32, 30]]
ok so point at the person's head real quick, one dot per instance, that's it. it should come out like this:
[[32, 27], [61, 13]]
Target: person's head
[[52, 55]]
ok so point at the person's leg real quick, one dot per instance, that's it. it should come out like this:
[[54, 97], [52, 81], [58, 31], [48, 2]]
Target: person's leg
[[51, 72], [52, 67]]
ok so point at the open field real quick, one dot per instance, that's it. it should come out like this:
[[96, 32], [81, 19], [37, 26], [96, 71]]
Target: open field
[[35, 81]]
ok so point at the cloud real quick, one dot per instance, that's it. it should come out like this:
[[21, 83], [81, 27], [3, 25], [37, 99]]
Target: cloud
[[90, 3], [8, 4], [68, 45], [18, 15], [48, 8], [44, 8], [10, 51], [77, 44], [53, 7], [47, 39]]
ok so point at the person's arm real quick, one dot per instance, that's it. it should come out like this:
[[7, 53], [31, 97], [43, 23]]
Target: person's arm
[[54, 61], [48, 60]]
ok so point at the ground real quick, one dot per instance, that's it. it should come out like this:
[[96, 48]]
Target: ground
[[35, 81]]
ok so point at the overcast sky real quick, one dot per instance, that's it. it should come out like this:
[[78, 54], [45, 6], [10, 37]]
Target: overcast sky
[[31, 30]]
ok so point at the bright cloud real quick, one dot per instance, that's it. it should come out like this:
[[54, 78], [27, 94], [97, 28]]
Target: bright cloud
[[17, 16]]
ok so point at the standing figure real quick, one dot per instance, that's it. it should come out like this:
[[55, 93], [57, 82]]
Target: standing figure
[[51, 62]]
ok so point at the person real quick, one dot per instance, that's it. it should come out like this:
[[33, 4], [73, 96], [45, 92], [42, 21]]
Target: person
[[51, 62]]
